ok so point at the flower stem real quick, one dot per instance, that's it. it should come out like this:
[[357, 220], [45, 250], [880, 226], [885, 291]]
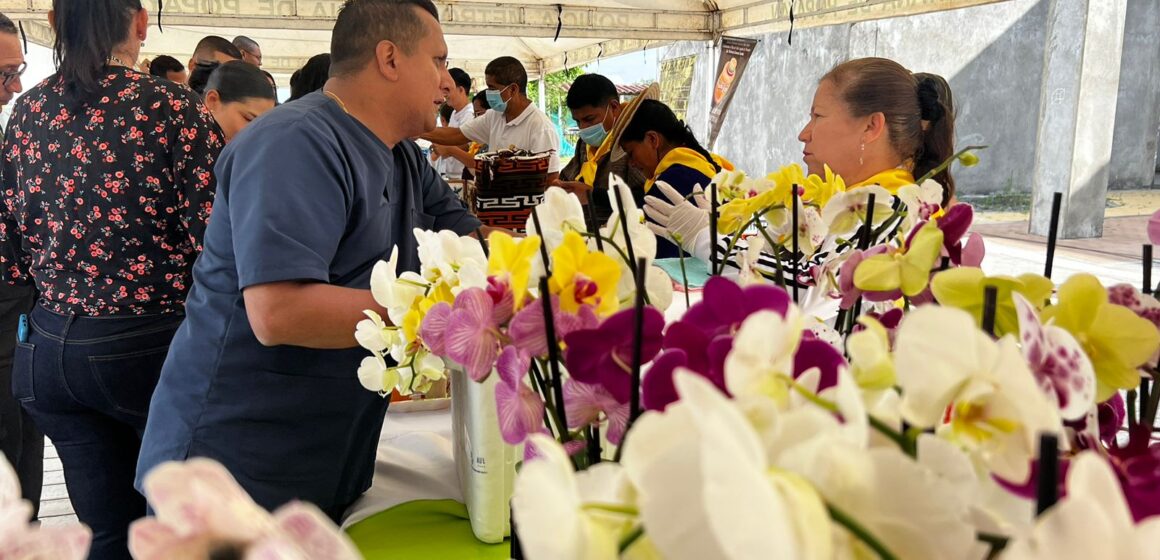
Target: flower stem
[[631, 538], [947, 163], [997, 542], [904, 441], [684, 277], [842, 518]]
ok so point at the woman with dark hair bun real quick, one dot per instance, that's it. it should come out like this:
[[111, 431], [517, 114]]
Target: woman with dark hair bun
[[873, 123], [236, 94], [109, 183]]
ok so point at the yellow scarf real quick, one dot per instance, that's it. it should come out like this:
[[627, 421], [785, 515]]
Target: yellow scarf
[[891, 180], [691, 159], [588, 168]]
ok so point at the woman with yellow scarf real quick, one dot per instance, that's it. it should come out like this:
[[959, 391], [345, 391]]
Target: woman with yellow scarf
[[664, 149], [872, 122]]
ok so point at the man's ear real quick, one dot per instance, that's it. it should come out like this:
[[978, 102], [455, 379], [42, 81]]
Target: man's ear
[[387, 60]]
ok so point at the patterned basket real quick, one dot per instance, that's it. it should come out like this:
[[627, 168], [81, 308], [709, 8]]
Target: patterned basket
[[508, 184]]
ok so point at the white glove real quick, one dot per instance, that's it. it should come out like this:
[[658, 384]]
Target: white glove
[[681, 221]]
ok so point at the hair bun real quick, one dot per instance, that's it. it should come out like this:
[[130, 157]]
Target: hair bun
[[928, 101]]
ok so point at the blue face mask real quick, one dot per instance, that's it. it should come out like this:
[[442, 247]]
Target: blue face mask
[[495, 100], [594, 135]]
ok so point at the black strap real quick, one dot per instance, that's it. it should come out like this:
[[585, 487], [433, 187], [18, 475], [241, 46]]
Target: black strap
[[559, 21], [23, 36], [160, 8], [790, 39]]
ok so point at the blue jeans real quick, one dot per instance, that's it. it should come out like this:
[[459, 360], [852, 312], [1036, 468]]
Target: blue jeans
[[87, 382]]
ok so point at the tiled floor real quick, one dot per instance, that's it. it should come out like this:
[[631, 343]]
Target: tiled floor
[[55, 508]]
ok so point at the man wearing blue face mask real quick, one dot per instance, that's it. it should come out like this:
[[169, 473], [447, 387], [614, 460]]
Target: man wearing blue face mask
[[596, 107], [512, 121]]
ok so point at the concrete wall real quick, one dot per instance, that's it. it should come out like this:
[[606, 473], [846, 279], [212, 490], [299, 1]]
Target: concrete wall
[[992, 55], [1134, 146]]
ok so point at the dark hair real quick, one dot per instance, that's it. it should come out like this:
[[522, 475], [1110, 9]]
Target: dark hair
[[481, 98], [163, 65], [237, 81], [445, 112], [311, 77], [199, 75], [919, 117], [6, 25], [652, 115], [86, 34], [461, 78], [591, 90], [508, 70], [245, 43], [362, 24], [211, 44]]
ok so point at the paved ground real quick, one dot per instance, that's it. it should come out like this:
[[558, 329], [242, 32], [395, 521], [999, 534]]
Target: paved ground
[[1114, 258]]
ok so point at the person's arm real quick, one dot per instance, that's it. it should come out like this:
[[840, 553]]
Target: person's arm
[[446, 137], [307, 314], [14, 261], [459, 154], [196, 142], [440, 202], [287, 222]]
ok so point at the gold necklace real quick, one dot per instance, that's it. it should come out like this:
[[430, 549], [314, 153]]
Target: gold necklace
[[336, 99]]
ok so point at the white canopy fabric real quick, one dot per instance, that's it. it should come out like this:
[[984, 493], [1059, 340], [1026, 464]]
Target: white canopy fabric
[[291, 31]]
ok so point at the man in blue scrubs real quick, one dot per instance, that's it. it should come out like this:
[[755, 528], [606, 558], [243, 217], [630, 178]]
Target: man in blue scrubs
[[262, 375]]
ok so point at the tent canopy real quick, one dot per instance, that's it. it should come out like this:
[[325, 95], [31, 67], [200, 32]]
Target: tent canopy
[[477, 31]]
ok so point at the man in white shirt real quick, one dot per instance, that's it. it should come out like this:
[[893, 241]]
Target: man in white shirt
[[512, 120], [448, 164]]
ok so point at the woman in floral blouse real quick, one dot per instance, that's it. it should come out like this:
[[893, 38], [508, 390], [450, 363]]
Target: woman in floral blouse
[[108, 186]]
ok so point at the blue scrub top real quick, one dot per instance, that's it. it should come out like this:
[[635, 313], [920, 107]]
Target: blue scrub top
[[304, 193]]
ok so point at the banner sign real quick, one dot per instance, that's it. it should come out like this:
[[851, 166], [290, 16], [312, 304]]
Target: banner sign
[[735, 54]]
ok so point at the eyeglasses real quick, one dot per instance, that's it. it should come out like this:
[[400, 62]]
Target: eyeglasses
[[9, 75]]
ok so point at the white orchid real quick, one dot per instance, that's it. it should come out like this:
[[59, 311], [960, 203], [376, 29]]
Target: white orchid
[[981, 395], [551, 506], [811, 232], [922, 202], [750, 274], [22, 541], [373, 333], [560, 212], [706, 489], [762, 355], [397, 293], [1062, 369], [846, 211], [1092, 521], [446, 257], [201, 511]]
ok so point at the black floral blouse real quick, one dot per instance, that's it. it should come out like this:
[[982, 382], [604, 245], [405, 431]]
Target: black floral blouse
[[105, 204]]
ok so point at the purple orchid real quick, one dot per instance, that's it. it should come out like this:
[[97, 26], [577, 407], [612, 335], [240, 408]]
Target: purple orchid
[[587, 405], [702, 339], [813, 353], [520, 409], [471, 336], [850, 292], [603, 355], [527, 327], [725, 305]]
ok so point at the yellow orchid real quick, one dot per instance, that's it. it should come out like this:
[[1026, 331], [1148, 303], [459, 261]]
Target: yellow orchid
[[818, 191], [907, 269], [512, 260], [580, 277], [871, 363], [963, 288], [734, 214], [1115, 339]]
